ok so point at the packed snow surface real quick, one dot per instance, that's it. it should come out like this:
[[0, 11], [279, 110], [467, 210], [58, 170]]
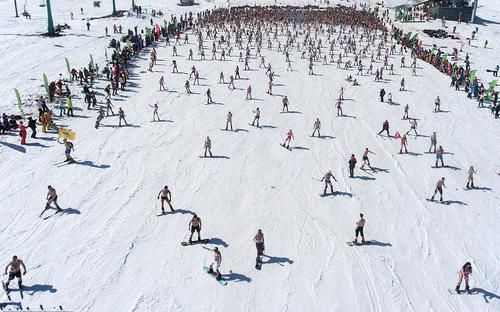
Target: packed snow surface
[[108, 250]]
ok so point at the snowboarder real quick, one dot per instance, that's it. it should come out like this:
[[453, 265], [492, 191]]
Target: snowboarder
[[208, 147], [433, 142], [470, 177], [385, 127], [352, 165], [229, 120], [51, 198], [14, 269], [289, 137], [463, 274], [165, 196], [366, 160], [360, 224], [439, 156], [217, 262], [326, 178], [257, 117], [194, 226], [439, 188], [121, 115], [259, 243], [316, 127]]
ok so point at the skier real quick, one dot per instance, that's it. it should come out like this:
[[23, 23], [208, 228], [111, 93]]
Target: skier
[[366, 161], [121, 115], [249, 93], [217, 261], [162, 83], [439, 155], [194, 226], [289, 137], [437, 104], [433, 142], [68, 147], [285, 103], [326, 178], [51, 198], [404, 142], [413, 126], [405, 114], [402, 85], [259, 243], [352, 165], [229, 120], [316, 127], [470, 177], [155, 111], [188, 90], [463, 274], [339, 108], [174, 66], [439, 188], [360, 224], [209, 97], [341, 94], [385, 127], [231, 83], [165, 196], [257, 117], [14, 272], [208, 147]]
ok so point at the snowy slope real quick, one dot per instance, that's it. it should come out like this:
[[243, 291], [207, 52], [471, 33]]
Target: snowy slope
[[110, 251]]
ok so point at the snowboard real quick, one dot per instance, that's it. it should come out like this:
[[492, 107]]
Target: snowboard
[[351, 243], [203, 241], [258, 262], [221, 281], [66, 162], [7, 292], [283, 145]]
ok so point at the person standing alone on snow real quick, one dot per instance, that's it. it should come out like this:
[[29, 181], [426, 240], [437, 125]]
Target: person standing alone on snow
[[208, 147], [51, 198], [259, 242], [470, 177], [194, 226], [359, 229], [463, 274], [326, 178], [316, 127], [229, 120], [439, 188], [14, 272], [165, 196], [433, 142], [289, 137]]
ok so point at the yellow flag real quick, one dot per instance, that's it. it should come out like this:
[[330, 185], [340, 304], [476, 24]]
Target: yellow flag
[[66, 133]]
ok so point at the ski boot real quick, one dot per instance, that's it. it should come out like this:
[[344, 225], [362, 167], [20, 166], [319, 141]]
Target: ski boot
[[467, 289], [457, 289]]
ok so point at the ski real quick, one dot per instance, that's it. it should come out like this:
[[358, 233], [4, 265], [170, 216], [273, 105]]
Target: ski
[[358, 244], [461, 292], [221, 281], [436, 201], [6, 290], [202, 241]]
